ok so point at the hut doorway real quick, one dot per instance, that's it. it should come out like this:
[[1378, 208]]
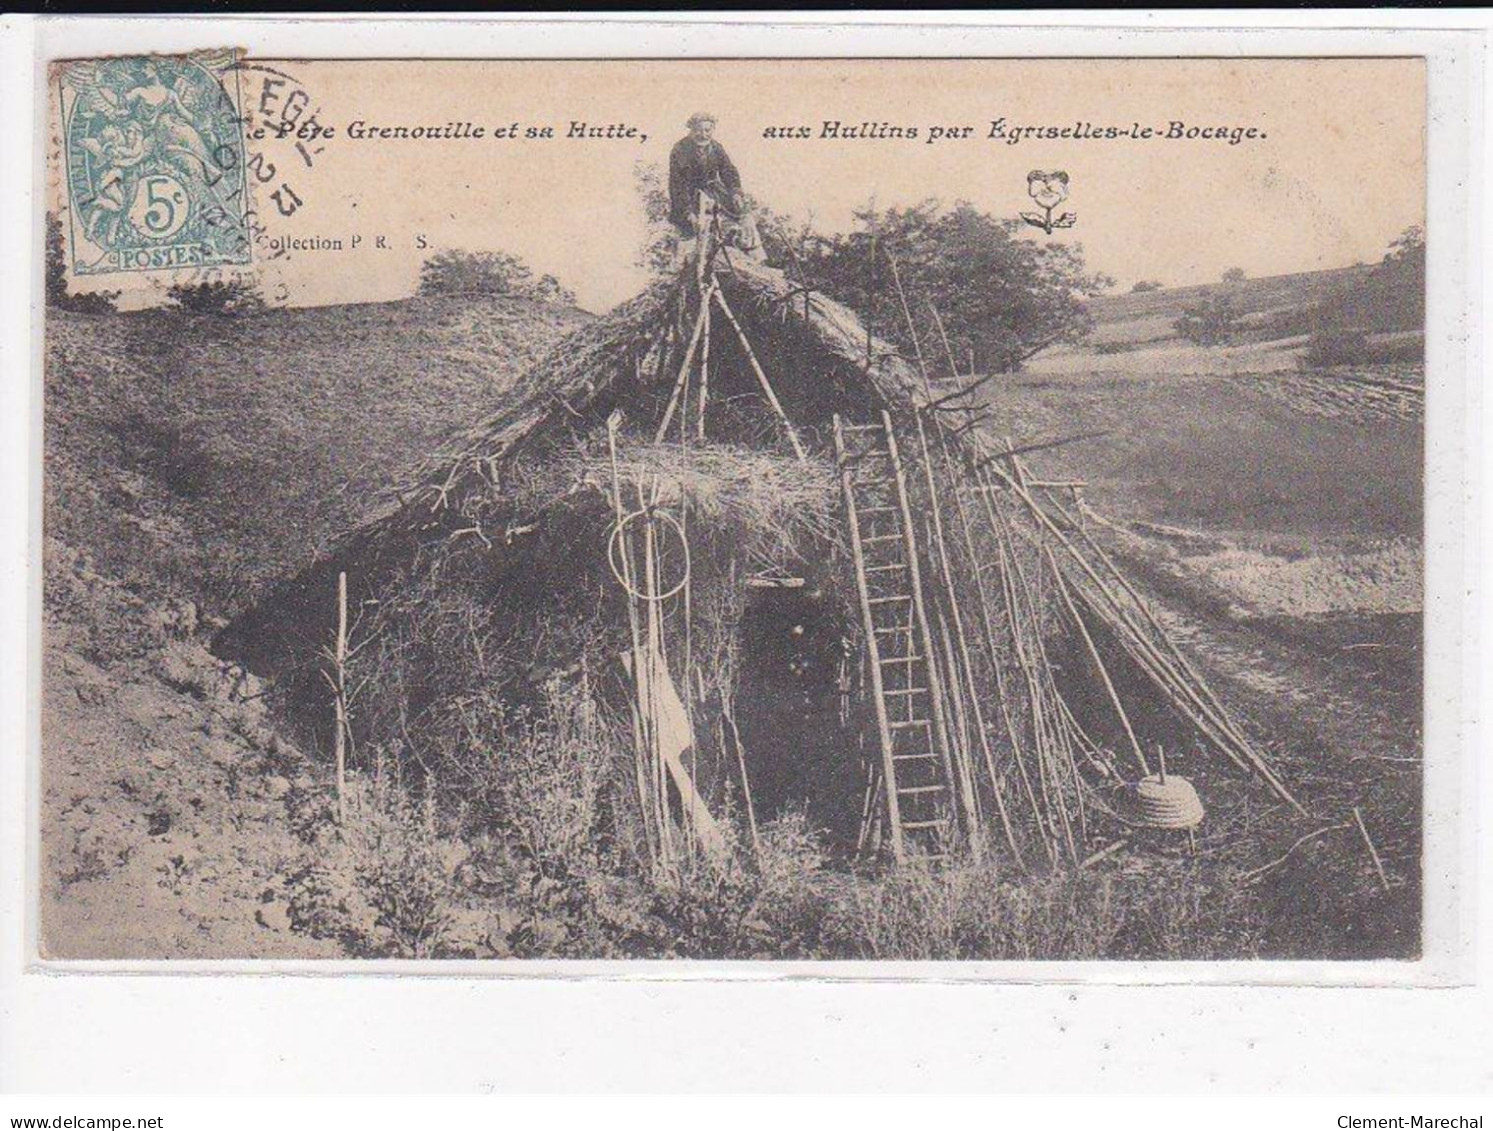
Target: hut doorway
[[794, 709]]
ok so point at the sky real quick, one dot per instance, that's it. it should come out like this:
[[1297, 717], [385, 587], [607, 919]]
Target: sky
[[1337, 172]]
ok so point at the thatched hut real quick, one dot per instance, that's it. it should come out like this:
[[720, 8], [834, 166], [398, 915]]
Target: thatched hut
[[781, 564]]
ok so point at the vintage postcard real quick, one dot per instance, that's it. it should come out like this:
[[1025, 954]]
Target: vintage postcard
[[859, 509]]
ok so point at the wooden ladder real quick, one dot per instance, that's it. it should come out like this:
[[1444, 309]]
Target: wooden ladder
[[905, 682]]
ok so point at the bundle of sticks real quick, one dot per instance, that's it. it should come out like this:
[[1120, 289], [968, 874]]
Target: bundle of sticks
[[1009, 555]]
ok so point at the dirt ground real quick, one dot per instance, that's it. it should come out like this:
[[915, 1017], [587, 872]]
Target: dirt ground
[[169, 805]]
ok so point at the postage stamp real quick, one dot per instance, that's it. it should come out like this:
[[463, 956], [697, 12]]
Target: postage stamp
[[154, 156]]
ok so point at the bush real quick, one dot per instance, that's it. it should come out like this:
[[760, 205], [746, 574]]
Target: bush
[[488, 274], [1162, 909], [1146, 286], [1211, 322], [763, 903], [221, 297], [1328, 348], [1336, 347], [549, 777], [389, 888], [58, 297]]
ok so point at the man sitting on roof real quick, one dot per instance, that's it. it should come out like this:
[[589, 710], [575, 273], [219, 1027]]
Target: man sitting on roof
[[699, 164]]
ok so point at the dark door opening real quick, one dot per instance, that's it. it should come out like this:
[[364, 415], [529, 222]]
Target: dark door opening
[[797, 731]]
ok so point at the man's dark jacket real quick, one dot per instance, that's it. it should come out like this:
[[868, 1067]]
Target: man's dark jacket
[[694, 169]]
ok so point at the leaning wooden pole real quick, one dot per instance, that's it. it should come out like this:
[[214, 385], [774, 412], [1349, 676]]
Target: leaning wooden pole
[[960, 636], [1244, 750], [689, 359], [1093, 650], [341, 697], [1010, 573], [943, 556], [988, 625], [640, 734], [761, 375], [1176, 653], [704, 376]]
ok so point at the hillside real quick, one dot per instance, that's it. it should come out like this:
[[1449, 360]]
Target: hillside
[[191, 459], [1149, 316], [1347, 339], [199, 456]]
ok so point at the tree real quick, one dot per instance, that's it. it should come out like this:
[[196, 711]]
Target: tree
[[1408, 247], [1146, 286], [488, 274], [549, 289], [221, 297], [58, 297], [1000, 298], [1234, 275], [1211, 322], [475, 273], [661, 240]]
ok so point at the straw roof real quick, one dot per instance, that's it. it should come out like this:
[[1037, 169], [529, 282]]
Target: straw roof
[[573, 388]]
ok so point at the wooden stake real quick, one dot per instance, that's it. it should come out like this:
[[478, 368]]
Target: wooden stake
[[868, 807], [703, 210], [772, 397], [1107, 850], [655, 648], [1000, 690], [1061, 743], [1047, 827], [640, 734], [689, 357], [1373, 852], [1028, 655], [993, 651], [912, 330], [341, 697], [952, 599], [746, 785], [704, 375], [1114, 696]]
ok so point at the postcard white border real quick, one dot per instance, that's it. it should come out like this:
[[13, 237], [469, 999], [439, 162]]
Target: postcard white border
[[537, 1009]]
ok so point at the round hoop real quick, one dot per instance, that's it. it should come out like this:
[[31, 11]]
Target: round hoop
[[613, 559]]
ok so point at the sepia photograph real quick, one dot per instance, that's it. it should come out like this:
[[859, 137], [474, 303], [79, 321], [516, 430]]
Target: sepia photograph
[[766, 510]]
